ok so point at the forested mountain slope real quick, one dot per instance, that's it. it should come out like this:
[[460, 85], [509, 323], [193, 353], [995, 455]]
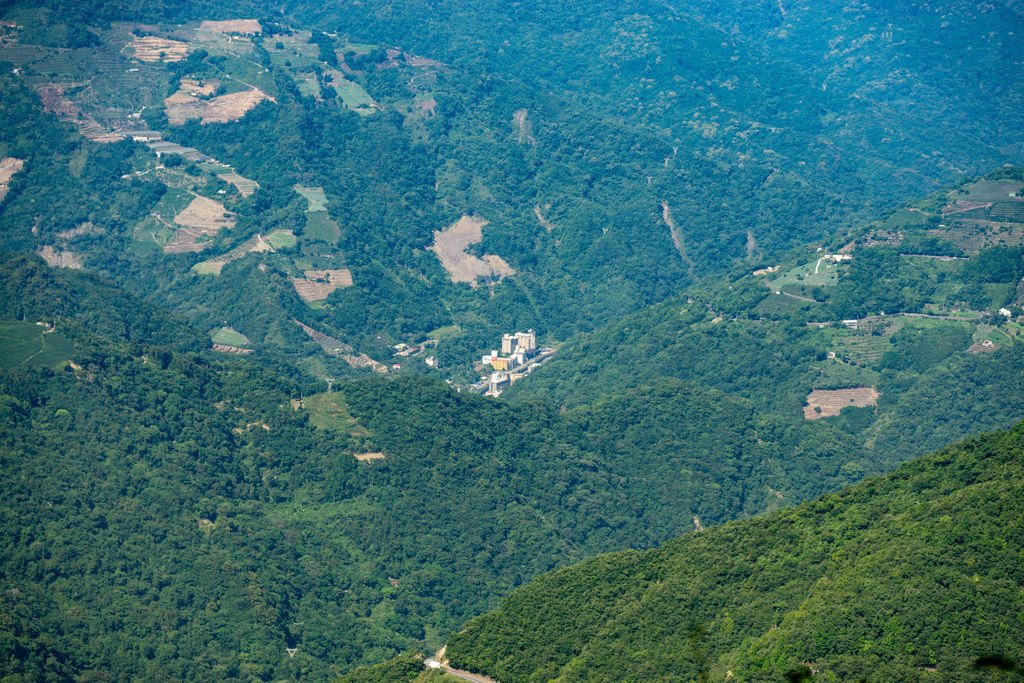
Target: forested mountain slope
[[913, 576]]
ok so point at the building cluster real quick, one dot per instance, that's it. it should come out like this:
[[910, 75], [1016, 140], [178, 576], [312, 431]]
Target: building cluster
[[516, 350]]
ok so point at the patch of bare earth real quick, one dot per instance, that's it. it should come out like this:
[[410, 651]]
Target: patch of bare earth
[[450, 246], [829, 402], [545, 223], [8, 167], [368, 457], [677, 236], [200, 220], [524, 129], [182, 106], [224, 348], [154, 49], [241, 26], [60, 258], [317, 285]]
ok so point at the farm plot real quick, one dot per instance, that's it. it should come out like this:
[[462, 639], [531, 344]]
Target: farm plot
[[330, 345], [35, 344], [823, 272], [314, 196], [156, 49], [239, 26], [244, 186], [450, 246], [8, 167], [201, 220], [182, 106], [229, 336], [278, 239], [317, 285], [352, 94], [331, 412], [830, 402]]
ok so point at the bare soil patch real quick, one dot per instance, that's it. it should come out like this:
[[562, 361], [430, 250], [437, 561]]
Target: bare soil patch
[[317, 285], [8, 167], [205, 213], [832, 401], [182, 107], [202, 219], [60, 258], [367, 457], [154, 49], [450, 246], [242, 26]]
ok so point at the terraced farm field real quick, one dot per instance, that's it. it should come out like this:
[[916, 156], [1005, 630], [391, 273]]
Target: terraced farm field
[[228, 336], [330, 411], [315, 197], [829, 402], [352, 94], [29, 343]]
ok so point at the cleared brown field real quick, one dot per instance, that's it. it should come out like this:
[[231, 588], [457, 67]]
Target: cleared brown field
[[8, 167], [60, 258], [154, 49], [367, 457], [450, 246], [205, 213], [832, 401], [243, 26], [202, 219], [182, 107], [317, 285]]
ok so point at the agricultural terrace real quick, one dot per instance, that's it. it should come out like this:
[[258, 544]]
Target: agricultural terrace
[[195, 220], [315, 197], [228, 336], [330, 411], [239, 26], [830, 402], [183, 106], [317, 285], [450, 246], [278, 239], [155, 49], [352, 94], [35, 344], [8, 167], [822, 272]]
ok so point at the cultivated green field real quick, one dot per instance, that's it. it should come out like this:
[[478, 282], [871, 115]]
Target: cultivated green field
[[315, 196], [330, 411], [817, 273], [26, 343], [230, 337], [281, 239], [320, 226], [352, 94]]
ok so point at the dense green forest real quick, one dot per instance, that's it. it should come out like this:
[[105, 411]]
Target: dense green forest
[[756, 233], [912, 576]]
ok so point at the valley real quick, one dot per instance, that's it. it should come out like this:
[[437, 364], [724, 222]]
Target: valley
[[751, 268]]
